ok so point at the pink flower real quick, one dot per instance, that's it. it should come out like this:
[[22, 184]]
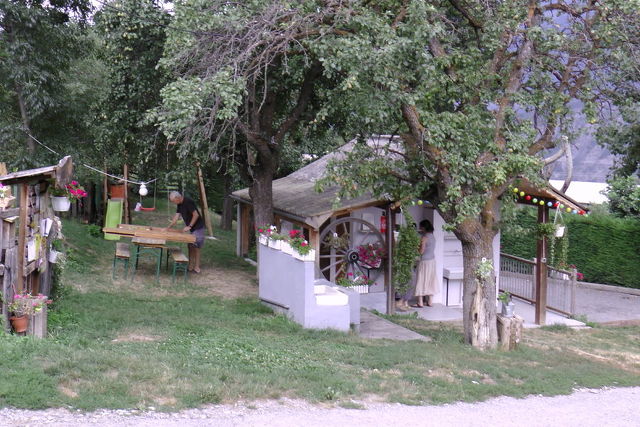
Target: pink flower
[[74, 183], [349, 274], [260, 230], [303, 244], [294, 233]]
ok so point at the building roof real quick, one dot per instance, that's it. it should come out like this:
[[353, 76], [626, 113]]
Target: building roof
[[62, 173], [295, 196]]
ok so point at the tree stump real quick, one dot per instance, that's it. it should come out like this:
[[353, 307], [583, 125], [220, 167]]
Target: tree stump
[[509, 331]]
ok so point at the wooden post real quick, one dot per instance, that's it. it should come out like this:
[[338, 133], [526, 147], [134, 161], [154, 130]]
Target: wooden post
[[246, 228], [509, 331], [541, 270], [314, 241], [388, 274], [22, 237], [203, 200], [125, 202]]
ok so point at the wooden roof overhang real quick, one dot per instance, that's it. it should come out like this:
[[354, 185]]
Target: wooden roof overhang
[[546, 194], [61, 172], [298, 200]]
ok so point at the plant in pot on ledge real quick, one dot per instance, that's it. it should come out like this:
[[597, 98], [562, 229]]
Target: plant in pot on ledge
[[61, 198], [507, 304], [24, 306], [301, 248]]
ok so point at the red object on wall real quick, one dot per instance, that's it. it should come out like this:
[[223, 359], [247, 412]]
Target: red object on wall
[[383, 223]]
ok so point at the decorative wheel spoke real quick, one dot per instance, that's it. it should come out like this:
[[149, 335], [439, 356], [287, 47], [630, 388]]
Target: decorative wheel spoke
[[341, 248]]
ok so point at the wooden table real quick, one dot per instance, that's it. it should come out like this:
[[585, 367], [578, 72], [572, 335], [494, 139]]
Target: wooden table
[[148, 232], [149, 240]]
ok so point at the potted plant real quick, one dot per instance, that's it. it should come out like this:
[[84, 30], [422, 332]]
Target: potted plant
[[351, 281], [507, 304], [371, 255], [62, 197], [301, 248], [24, 306], [264, 232]]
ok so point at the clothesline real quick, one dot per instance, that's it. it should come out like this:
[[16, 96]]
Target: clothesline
[[92, 168]]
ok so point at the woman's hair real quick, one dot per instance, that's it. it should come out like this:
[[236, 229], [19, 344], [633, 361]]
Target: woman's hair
[[426, 225]]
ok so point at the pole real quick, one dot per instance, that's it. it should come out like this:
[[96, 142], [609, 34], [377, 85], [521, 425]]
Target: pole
[[541, 269], [203, 199], [125, 203], [22, 235]]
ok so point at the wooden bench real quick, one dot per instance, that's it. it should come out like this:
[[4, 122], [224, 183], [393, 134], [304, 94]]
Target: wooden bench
[[180, 263], [122, 254]]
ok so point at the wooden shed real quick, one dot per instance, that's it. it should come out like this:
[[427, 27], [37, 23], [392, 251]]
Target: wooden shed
[[28, 231]]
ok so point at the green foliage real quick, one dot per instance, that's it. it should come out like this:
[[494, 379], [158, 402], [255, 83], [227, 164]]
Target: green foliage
[[604, 248], [38, 43], [624, 197], [133, 36], [406, 252]]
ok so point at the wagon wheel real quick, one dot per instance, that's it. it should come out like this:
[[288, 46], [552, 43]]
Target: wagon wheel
[[339, 249]]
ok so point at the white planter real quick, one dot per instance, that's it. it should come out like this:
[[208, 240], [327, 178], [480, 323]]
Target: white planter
[[507, 309], [311, 256], [54, 256], [286, 248], [560, 231], [60, 204], [262, 239], [275, 244]]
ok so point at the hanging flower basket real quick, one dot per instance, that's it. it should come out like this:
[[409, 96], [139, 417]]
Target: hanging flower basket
[[560, 231], [60, 203]]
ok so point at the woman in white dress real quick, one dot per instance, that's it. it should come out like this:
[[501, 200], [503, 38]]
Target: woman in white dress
[[426, 279]]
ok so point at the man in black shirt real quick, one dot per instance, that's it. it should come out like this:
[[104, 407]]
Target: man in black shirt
[[194, 223]]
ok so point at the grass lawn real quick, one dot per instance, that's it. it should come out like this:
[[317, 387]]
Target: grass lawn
[[114, 344]]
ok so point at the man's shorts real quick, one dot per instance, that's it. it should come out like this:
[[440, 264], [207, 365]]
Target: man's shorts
[[199, 233]]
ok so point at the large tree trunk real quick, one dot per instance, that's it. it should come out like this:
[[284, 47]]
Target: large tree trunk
[[479, 297], [262, 196]]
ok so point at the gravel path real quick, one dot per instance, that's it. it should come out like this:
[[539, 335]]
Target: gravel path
[[585, 407]]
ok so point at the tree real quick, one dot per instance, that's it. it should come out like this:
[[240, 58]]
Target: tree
[[38, 41], [245, 78], [624, 197], [133, 35], [482, 89]]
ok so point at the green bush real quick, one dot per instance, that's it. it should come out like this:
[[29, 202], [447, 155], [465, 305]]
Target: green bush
[[604, 248]]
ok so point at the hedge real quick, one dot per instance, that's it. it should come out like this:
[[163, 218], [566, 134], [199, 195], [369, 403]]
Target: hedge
[[605, 249]]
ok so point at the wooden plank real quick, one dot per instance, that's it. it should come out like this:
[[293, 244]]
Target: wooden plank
[[22, 234], [246, 228], [541, 270], [203, 199], [30, 268], [145, 241]]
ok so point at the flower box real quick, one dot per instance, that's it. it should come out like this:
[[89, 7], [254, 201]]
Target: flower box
[[275, 244], [311, 256], [286, 248], [60, 203], [263, 240]]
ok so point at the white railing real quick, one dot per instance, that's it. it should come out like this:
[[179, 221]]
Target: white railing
[[518, 277]]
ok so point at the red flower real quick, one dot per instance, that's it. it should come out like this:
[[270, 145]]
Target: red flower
[[294, 233]]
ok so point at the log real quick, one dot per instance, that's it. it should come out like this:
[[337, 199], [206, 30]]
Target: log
[[509, 331]]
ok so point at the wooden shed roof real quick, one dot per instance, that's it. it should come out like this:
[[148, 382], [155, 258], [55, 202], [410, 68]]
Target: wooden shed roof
[[295, 196], [61, 172]]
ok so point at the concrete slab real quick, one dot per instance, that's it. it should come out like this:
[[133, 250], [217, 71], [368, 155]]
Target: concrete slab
[[375, 327], [441, 313], [603, 306]]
